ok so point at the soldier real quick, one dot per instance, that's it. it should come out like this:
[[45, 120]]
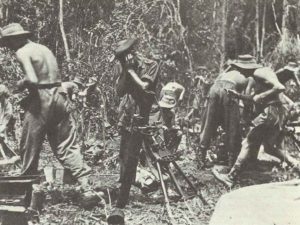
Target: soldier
[[137, 79], [267, 125], [72, 88], [288, 72], [47, 110], [171, 94], [223, 110], [284, 75]]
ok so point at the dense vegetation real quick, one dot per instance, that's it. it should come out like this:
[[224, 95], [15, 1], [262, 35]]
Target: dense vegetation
[[186, 35]]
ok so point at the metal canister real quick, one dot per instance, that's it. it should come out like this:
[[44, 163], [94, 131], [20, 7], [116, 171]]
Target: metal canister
[[37, 199]]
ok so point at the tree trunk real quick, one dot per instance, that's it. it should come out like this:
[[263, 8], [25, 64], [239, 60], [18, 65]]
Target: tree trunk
[[214, 12], [288, 48], [223, 34], [263, 30], [289, 20], [257, 30], [62, 29], [3, 12], [285, 30], [288, 42], [275, 18]]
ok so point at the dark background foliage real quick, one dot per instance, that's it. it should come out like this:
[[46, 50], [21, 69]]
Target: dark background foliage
[[183, 34]]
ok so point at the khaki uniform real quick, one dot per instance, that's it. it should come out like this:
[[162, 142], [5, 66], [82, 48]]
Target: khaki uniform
[[48, 112], [267, 130], [134, 101], [222, 111]]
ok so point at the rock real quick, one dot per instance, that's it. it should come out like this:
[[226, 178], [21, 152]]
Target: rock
[[266, 204]]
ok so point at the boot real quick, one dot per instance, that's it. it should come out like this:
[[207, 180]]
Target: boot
[[226, 179]]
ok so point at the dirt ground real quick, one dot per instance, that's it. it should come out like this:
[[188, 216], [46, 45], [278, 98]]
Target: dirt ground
[[146, 209]]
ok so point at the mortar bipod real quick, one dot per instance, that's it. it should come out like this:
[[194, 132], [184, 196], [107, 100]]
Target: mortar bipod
[[162, 158]]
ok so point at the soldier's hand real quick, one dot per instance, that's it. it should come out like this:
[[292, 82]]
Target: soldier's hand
[[232, 92], [164, 127], [21, 85], [257, 98], [24, 83], [130, 62]]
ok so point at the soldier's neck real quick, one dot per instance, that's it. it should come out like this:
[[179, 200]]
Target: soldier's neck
[[20, 45]]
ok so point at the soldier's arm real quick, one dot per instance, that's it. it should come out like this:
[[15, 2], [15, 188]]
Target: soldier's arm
[[296, 79], [250, 85], [25, 60], [146, 79], [142, 84], [286, 100], [267, 76]]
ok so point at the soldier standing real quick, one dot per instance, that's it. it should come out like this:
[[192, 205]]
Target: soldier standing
[[136, 83], [47, 110], [268, 124], [223, 110], [171, 94]]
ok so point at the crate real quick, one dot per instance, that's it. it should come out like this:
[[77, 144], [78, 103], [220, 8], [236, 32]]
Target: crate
[[15, 192]]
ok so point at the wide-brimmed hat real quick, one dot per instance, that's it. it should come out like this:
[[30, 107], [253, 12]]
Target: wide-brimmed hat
[[13, 30], [292, 66], [92, 81], [246, 62], [168, 100], [79, 80], [125, 46]]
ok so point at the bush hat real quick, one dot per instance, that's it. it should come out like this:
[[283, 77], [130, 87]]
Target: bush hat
[[168, 100], [246, 62], [79, 80], [124, 46], [292, 66], [92, 81], [13, 30]]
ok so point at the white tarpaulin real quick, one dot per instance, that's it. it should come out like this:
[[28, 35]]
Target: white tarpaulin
[[266, 204]]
